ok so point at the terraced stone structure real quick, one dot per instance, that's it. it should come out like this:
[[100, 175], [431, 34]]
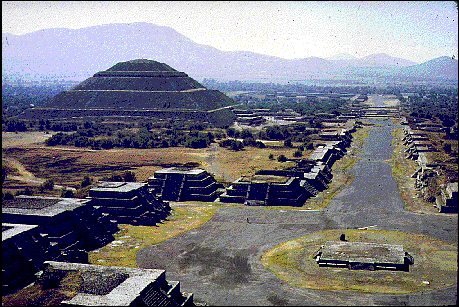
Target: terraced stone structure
[[266, 190], [24, 249], [113, 286], [128, 203], [183, 184], [327, 154], [314, 177], [72, 225], [362, 255], [140, 88]]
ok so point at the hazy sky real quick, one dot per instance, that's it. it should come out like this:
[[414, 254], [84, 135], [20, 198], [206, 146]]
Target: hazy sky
[[414, 30]]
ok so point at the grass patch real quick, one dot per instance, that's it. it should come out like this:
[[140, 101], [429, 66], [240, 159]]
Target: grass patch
[[130, 239], [434, 261], [38, 295]]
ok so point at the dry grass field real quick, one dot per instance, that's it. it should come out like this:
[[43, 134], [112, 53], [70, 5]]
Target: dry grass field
[[13, 139], [131, 239], [68, 166], [435, 263]]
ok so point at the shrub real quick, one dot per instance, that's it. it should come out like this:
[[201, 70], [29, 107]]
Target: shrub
[[231, 144], [115, 177], [282, 158], [8, 195], [26, 191], [260, 144], [67, 193], [249, 141], [86, 182], [447, 147], [48, 185], [196, 142], [288, 143], [129, 176], [4, 174], [237, 146], [297, 153], [246, 134], [309, 145]]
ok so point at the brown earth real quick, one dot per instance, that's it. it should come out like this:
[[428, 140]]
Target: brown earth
[[68, 165]]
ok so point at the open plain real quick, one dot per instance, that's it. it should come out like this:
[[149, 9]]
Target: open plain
[[216, 250]]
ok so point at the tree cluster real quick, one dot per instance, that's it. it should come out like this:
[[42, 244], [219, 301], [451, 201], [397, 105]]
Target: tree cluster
[[296, 133], [436, 104], [98, 136], [231, 144]]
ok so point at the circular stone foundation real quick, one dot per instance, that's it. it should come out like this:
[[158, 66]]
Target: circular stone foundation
[[435, 263]]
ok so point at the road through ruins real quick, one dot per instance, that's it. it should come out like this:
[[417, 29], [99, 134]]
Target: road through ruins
[[220, 261]]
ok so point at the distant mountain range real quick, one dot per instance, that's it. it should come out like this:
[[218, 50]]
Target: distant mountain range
[[65, 54]]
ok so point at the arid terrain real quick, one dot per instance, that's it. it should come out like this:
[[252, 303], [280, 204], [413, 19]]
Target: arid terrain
[[231, 254]]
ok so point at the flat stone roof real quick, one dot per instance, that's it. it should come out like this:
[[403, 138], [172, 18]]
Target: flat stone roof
[[114, 186], [121, 285], [264, 179], [330, 133], [362, 252], [319, 153], [29, 203], [11, 230], [310, 175], [40, 205], [181, 170]]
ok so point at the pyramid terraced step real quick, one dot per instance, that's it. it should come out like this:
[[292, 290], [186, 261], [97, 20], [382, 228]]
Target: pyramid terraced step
[[309, 188]]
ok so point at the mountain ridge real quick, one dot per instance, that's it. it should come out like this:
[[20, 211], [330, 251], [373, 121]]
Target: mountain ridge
[[76, 54]]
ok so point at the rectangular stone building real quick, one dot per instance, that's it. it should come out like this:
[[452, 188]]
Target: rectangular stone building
[[70, 223], [362, 255], [266, 190], [77, 284], [24, 249], [128, 203], [447, 201], [183, 184]]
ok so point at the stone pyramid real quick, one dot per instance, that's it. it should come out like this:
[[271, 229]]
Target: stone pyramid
[[141, 88]]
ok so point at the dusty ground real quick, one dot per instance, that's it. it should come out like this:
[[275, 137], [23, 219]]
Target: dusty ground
[[130, 239], [220, 261], [13, 139], [382, 100], [68, 166]]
